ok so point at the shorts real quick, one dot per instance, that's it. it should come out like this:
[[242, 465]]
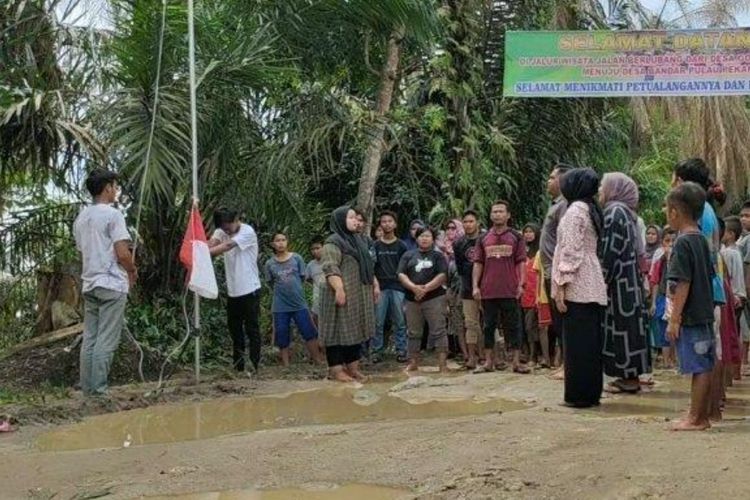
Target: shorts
[[696, 349], [658, 325], [282, 323], [531, 324]]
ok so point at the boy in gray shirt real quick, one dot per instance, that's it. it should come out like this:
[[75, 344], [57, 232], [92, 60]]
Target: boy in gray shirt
[[108, 273]]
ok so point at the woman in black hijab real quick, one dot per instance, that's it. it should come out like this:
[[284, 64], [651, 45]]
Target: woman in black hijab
[[578, 287], [347, 313]]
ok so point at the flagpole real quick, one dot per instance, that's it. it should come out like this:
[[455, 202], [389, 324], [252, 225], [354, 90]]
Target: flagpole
[[194, 164]]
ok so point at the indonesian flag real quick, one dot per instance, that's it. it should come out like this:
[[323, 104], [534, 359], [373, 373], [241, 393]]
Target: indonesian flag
[[195, 256]]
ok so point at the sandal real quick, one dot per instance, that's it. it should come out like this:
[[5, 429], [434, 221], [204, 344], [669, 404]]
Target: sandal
[[558, 375], [482, 369], [619, 386], [521, 369]]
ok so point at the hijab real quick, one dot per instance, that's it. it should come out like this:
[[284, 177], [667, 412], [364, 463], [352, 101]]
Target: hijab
[[533, 247], [411, 243], [651, 248], [445, 243], [351, 244], [582, 184], [619, 190]]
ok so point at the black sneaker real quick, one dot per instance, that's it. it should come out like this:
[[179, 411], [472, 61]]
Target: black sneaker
[[402, 358]]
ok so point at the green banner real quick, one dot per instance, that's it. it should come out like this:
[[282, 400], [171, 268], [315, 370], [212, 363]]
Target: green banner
[[627, 63]]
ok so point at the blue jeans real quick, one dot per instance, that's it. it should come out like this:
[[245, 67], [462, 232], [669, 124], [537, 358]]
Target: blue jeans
[[391, 305]]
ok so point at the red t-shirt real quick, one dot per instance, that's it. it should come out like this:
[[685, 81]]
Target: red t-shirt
[[528, 299], [500, 253]]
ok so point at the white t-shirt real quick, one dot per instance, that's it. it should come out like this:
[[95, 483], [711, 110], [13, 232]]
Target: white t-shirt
[[241, 262], [96, 229]]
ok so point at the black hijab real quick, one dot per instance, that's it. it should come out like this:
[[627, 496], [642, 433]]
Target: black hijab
[[351, 244], [582, 184]]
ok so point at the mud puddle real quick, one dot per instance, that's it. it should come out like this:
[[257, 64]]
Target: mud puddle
[[211, 419], [670, 398], [312, 492]]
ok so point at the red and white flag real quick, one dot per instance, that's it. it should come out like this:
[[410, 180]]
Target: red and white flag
[[196, 258]]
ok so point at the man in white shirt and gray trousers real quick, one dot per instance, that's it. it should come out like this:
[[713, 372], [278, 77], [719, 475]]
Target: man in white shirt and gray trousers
[[238, 243], [108, 273]]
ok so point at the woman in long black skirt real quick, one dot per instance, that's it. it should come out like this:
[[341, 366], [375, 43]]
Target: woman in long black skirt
[[578, 287]]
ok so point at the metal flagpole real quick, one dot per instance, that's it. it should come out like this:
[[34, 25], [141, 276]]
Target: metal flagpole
[[194, 155]]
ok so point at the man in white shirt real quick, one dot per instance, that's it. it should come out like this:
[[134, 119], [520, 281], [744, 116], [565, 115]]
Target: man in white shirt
[[108, 272], [239, 245]]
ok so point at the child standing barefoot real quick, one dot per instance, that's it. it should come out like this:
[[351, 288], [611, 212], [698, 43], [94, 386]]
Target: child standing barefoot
[[691, 319], [658, 282], [284, 273]]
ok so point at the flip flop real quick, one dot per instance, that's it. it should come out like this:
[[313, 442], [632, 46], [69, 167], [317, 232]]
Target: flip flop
[[482, 369], [618, 387], [522, 369], [611, 388]]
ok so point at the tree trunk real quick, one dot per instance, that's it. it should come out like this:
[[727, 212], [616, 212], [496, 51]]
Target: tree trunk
[[377, 144], [58, 300]]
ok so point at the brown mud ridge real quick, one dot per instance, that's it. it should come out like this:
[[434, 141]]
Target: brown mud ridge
[[496, 435]]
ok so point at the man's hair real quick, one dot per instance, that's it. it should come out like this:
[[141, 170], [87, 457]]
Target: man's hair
[[688, 199], [316, 241], [733, 224], [694, 170], [224, 216], [471, 212], [500, 202], [424, 229], [667, 231], [746, 205], [561, 168], [98, 180], [388, 213]]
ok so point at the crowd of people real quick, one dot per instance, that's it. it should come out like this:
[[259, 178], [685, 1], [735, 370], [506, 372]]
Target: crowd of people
[[592, 292]]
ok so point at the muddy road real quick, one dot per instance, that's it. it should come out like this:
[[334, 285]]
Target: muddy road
[[494, 435]]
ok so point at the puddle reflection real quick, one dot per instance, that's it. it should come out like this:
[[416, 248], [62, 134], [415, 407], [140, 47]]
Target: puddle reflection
[[210, 419]]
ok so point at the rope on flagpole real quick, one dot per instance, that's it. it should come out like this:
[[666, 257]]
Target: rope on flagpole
[[146, 166]]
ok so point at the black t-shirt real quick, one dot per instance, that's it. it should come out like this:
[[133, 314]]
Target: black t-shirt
[[463, 251], [691, 261], [388, 255], [421, 268]]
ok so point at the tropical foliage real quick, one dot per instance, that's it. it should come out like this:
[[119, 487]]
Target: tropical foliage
[[303, 106]]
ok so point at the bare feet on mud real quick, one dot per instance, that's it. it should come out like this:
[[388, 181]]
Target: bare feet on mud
[[686, 424], [340, 376]]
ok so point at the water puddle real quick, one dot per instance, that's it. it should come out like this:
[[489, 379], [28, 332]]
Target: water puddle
[[210, 419], [670, 398], [346, 492]]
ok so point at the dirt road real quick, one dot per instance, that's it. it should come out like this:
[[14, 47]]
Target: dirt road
[[463, 436]]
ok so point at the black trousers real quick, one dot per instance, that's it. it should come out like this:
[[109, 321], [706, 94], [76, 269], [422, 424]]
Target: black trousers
[[505, 312], [342, 354], [582, 328], [243, 317], [555, 333]]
